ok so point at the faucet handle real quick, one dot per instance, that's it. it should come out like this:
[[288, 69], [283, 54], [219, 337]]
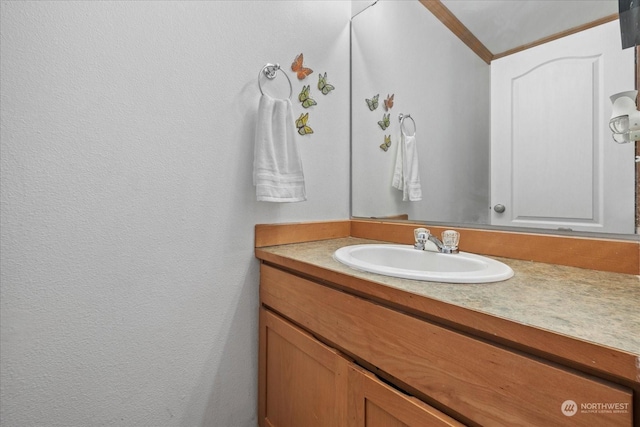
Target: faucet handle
[[421, 234], [450, 239]]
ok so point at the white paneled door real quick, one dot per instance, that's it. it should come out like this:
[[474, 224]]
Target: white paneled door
[[553, 161]]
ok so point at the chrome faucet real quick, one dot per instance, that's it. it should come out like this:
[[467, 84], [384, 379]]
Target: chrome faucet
[[448, 244]]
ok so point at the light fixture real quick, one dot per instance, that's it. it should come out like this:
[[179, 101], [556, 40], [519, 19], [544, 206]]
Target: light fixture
[[625, 117]]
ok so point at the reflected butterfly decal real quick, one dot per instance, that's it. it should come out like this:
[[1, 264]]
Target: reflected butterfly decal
[[324, 87], [301, 124], [299, 69], [373, 102], [387, 143], [385, 122], [304, 97], [388, 103]]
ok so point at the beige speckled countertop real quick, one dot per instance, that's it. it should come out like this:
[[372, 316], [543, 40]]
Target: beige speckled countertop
[[595, 306]]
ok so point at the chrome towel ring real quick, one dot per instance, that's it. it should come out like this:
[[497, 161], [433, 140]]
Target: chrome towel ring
[[401, 118], [270, 71]]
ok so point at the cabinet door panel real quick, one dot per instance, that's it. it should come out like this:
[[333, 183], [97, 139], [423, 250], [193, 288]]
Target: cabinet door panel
[[373, 403], [302, 382]]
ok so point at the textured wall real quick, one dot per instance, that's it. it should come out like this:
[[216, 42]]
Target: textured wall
[[129, 287]]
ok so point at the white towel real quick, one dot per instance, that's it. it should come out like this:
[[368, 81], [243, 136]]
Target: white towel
[[406, 175], [277, 167], [397, 172]]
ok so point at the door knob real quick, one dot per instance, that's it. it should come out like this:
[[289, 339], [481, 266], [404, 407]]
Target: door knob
[[499, 208]]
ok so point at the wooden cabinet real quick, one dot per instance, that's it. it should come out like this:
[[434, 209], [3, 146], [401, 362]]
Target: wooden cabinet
[[302, 382], [306, 381], [372, 403]]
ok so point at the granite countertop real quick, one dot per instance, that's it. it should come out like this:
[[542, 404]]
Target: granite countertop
[[595, 306]]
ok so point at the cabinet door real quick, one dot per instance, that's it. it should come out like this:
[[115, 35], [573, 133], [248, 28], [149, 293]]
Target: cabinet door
[[301, 381], [373, 403]]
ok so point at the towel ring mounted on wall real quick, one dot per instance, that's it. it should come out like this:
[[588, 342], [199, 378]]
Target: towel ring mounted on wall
[[270, 71], [401, 118]]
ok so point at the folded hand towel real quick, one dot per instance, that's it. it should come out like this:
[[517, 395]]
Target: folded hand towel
[[406, 175], [411, 172], [277, 166], [398, 181]]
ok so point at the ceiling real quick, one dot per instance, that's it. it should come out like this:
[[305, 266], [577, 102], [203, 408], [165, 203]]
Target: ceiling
[[502, 25]]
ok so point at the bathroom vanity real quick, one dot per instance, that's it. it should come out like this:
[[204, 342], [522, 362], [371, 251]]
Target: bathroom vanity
[[554, 345]]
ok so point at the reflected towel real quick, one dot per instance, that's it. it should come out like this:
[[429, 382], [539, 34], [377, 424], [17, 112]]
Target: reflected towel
[[406, 175], [277, 166], [397, 172]]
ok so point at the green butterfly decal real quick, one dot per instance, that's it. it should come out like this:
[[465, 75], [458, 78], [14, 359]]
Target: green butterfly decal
[[373, 102], [387, 143], [301, 124], [304, 97], [385, 122], [324, 87]]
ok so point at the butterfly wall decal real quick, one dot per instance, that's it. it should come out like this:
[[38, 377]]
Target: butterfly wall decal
[[301, 124], [388, 103], [373, 102], [299, 69], [324, 87], [304, 97], [385, 122], [387, 143]]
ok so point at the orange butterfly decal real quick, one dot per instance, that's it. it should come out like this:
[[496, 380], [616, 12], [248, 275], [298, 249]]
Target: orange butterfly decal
[[299, 68], [388, 103]]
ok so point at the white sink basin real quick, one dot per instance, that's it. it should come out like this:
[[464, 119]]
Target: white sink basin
[[408, 263]]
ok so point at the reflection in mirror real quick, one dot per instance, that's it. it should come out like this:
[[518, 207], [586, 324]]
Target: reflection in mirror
[[402, 49]]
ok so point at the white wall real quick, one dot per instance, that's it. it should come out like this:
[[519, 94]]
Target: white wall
[[401, 48], [129, 289]]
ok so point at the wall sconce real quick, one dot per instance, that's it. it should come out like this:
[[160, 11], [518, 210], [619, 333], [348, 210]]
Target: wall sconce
[[625, 117]]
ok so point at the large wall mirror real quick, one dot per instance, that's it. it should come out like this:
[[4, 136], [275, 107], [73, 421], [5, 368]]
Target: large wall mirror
[[504, 136]]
